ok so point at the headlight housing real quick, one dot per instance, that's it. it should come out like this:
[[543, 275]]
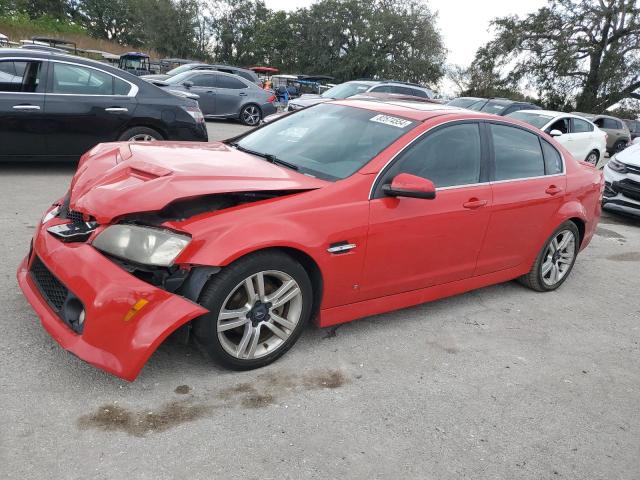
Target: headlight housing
[[617, 166], [144, 245]]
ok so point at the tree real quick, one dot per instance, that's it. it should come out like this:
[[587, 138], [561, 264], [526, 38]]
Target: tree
[[587, 50], [117, 20]]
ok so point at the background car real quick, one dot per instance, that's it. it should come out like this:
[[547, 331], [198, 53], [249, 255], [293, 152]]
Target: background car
[[57, 107], [495, 106], [634, 128], [222, 95], [242, 72], [618, 134], [622, 182], [578, 135], [348, 89]]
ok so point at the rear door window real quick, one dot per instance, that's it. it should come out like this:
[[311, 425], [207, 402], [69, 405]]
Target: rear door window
[[20, 76], [581, 126], [230, 83], [517, 153], [79, 80]]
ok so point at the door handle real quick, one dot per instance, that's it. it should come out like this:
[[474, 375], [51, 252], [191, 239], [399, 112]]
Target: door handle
[[242, 94], [475, 203], [211, 92], [116, 109], [26, 107], [553, 190]]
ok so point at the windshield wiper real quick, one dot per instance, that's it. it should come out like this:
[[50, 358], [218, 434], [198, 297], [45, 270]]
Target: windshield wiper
[[267, 156]]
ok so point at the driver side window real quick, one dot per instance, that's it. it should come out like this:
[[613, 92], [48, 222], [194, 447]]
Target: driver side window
[[562, 125], [450, 156]]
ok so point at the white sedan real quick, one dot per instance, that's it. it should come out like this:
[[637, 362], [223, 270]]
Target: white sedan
[[582, 138], [622, 181]]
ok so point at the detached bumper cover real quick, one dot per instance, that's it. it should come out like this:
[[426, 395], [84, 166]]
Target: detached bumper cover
[[107, 293]]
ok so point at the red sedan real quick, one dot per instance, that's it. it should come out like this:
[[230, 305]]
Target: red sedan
[[339, 211]]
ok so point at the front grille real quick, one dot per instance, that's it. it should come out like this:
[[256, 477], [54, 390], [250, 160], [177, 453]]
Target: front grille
[[629, 188], [53, 291], [75, 217], [633, 169]]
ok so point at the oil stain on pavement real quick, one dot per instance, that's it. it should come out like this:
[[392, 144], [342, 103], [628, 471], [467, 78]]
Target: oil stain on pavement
[[625, 257], [605, 232], [261, 393]]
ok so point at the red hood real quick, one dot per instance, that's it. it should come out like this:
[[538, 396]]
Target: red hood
[[116, 179]]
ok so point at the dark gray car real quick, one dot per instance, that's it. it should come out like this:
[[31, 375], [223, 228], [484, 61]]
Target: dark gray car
[[222, 95]]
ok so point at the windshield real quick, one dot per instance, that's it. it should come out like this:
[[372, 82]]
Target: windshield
[[535, 119], [495, 107], [178, 79], [463, 102], [180, 69], [345, 90], [327, 141]]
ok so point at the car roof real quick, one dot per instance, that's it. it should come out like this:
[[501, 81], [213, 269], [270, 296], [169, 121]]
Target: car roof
[[551, 113], [594, 116], [415, 110]]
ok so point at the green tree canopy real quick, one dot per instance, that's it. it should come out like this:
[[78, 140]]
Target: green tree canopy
[[582, 51]]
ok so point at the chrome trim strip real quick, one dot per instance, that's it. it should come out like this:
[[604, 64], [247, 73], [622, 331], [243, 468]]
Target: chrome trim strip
[[133, 91], [341, 248], [563, 173]]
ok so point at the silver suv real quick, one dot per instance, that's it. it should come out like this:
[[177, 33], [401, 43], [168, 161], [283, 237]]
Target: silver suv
[[355, 87]]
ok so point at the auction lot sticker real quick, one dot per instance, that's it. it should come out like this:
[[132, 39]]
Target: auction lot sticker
[[392, 121]]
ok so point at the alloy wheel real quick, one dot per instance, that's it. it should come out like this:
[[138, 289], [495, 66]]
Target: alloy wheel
[[251, 115], [558, 257], [259, 314], [142, 137], [592, 158]]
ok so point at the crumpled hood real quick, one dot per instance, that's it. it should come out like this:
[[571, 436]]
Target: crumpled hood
[[630, 155], [119, 178]]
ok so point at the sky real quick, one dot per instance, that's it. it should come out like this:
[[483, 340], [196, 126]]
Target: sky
[[463, 24]]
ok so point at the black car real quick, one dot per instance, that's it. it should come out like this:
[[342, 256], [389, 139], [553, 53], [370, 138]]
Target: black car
[[56, 107], [496, 106]]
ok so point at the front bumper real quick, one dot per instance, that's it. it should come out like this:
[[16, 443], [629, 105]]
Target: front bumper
[[107, 293], [622, 192]]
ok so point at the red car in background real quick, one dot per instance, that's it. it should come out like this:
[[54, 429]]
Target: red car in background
[[339, 211]]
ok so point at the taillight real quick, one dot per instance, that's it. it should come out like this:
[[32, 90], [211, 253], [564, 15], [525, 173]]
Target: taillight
[[272, 99], [195, 112]]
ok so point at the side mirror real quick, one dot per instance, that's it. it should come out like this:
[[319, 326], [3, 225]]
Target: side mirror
[[555, 133], [407, 185], [187, 84]]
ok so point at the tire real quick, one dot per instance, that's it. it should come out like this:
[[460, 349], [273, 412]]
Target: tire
[[140, 134], [243, 332], [593, 158], [561, 262], [619, 146], [250, 115]]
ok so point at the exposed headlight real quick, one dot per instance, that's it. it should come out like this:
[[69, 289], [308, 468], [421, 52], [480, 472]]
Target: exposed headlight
[[617, 166], [145, 245], [51, 214]]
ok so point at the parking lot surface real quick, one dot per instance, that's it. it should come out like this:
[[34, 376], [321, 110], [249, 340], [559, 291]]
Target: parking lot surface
[[500, 383]]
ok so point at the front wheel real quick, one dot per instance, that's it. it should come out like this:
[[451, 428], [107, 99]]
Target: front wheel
[[619, 146], [555, 261], [258, 307], [250, 115]]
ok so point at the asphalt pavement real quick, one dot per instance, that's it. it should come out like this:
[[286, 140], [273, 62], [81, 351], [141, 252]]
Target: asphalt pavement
[[499, 383]]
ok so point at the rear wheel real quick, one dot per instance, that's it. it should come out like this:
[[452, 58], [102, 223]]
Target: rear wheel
[[555, 261], [250, 115], [593, 157], [258, 307], [140, 134]]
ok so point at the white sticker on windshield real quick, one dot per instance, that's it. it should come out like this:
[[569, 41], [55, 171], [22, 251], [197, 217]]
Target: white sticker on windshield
[[392, 121]]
